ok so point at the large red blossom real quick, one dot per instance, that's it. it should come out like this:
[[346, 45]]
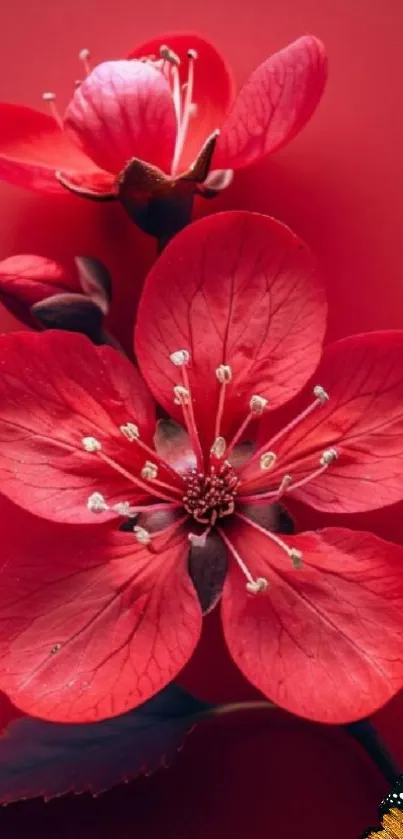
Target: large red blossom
[[144, 129], [99, 616]]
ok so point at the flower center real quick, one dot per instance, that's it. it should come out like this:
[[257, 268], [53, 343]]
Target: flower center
[[212, 496]]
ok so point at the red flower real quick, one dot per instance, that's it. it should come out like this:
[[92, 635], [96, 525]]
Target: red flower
[[230, 327], [144, 130]]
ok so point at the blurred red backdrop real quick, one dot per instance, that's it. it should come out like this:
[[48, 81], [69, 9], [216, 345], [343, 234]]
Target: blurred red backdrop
[[339, 184]]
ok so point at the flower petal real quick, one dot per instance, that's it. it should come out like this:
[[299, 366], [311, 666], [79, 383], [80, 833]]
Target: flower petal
[[26, 279], [213, 89], [236, 289], [275, 103], [363, 421], [93, 624], [124, 109], [323, 641], [56, 388], [33, 148]]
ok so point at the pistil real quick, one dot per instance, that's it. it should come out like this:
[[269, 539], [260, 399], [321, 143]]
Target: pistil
[[185, 112]]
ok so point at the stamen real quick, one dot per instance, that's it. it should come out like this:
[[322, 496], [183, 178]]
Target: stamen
[[252, 586], [130, 430], [183, 398], [149, 471], [267, 460], [293, 553], [218, 448], [274, 495], [91, 444], [257, 405], [123, 508], [260, 584], [321, 394], [320, 398], [182, 395], [142, 535], [150, 489], [224, 374], [50, 99], [296, 558], [327, 458], [180, 358], [186, 112], [169, 55], [96, 503], [84, 56]]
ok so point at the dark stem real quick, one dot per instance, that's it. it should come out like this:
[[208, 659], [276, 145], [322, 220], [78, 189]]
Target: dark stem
[[367, 736]]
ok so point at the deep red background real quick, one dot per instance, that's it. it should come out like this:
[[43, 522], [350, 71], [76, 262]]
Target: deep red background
[[340, 186]]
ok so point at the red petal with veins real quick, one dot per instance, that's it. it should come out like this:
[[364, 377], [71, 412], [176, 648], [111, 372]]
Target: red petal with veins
[[275, 103], [323, 641], [55, 389], [240, 289], [213, 85], [33, 148], [93, 624], [363, 420], [28, 279], [124, 109]]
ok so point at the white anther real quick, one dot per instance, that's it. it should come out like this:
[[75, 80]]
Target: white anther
[[48, 96], [149, 470], [328, 457], [296, 557], [96, 503], [267, 460], [91, 444], [169, 55], [130, 430], [257, 586], [180, 358], [182, 395], [122, 508], [142, 535], [84, 55], [193, 54], [218, 448], [320, 394], [257, 404], [224, 374], [198, 540]]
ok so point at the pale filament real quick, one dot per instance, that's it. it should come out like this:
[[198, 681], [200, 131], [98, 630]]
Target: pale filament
[[239, 433], [287, 483], [190, 421], [133, 510], [148, 487], [260, 584], [84, 56], [268, 446], [49, 98], [186, 112], [292, 553]]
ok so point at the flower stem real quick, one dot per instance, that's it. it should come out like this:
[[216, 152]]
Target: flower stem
[[367, 736]]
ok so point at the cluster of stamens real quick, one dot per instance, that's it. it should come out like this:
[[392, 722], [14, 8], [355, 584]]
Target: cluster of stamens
[[211, 497], [209, 492]]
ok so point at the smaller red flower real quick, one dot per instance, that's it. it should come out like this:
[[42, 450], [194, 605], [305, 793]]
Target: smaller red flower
[[96, 618], [44, 293], [144, 129]]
